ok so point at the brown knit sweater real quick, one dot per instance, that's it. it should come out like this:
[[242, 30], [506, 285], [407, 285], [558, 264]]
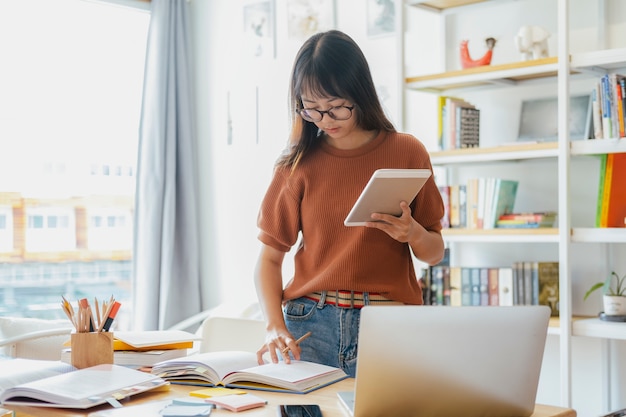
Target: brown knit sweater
[[315, 198]]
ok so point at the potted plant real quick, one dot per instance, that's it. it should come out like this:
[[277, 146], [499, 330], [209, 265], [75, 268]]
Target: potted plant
[[614, 296]]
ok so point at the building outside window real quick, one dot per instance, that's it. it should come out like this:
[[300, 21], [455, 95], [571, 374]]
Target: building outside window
[[70, 100]]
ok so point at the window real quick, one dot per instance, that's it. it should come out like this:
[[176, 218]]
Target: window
[[71, 84]]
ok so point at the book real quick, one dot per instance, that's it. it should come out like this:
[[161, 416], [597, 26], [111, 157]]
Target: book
[[84, 388], [455, 286], [505, 286], [466, 286], [237, 402], [597, 113], [503, 201], [600, 198], [527, 220], [614, 192], [493, 287], [153, 340], [444, 190], [468, 127], [135, 357], [455, 218], [15, 371], [235, 369], [548, 281]]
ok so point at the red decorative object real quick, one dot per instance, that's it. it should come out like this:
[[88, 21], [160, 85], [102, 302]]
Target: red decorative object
[[468, 62]]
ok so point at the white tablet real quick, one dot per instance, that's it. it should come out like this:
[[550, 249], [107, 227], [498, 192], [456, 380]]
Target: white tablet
[[384, 192]]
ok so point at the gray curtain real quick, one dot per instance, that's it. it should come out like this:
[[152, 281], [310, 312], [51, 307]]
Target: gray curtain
[[166, 254]]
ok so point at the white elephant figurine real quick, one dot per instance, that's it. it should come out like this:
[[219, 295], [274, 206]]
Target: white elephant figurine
[[532, 42]]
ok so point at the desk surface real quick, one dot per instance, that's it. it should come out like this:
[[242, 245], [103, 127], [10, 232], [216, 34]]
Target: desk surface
[[325, 397]]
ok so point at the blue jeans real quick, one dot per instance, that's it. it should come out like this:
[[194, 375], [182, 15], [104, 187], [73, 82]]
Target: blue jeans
[[334, 332]]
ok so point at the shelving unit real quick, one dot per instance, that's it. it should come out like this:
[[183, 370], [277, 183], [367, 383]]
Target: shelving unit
[[559, 70]]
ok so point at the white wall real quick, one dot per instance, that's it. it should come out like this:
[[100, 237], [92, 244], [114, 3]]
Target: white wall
[[233, 177]]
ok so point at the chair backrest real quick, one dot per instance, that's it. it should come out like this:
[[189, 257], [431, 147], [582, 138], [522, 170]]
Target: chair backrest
[[231, 333], [31, 338]]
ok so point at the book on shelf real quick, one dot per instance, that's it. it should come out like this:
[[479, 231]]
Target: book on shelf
[[455, 286], [548, 285], [136, 358], [600, 199], [494, 291], [444, 190], [468, 127], [458, 123], [84, 388], [611, 98], [502, 200], [505, 286], [596, 110], [234, 369], [527, 220], [613, 204]]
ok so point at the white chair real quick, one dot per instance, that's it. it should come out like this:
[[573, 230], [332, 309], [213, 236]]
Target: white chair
[[33, 338], [231, 333]]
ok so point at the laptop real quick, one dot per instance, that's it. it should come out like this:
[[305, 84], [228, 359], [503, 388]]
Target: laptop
[[431, 361]]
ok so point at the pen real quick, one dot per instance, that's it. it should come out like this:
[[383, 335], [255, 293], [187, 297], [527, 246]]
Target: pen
[[304, 336], [111, 316]]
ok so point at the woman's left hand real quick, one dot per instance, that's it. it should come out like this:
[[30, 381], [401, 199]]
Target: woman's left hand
[[400, 228]]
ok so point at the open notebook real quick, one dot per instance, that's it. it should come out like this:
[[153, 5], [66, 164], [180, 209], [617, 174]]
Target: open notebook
[[430, 361]]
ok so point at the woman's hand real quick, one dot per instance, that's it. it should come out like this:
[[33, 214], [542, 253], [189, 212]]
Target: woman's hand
[[400, 228], [279, 341]]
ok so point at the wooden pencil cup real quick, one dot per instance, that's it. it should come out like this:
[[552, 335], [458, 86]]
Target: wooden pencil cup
[[90, 349]]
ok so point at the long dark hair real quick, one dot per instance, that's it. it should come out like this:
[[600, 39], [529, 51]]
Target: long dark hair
[[331, 64]]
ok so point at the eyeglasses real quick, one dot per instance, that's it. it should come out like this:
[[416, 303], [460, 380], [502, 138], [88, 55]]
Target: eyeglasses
[[335, 113]]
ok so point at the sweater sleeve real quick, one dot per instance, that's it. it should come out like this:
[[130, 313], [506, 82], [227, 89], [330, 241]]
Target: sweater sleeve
[[279, 215]]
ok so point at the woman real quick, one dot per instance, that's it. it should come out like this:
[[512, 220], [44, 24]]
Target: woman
[[340, 136]]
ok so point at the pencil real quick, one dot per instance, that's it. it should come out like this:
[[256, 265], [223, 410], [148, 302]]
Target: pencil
[[304, 336]]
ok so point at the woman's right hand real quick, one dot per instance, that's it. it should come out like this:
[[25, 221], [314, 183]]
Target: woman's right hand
[[279, 342]]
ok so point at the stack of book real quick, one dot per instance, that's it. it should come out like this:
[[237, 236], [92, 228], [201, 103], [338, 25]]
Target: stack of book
[[146, 348], [527, 220], [459, 124]]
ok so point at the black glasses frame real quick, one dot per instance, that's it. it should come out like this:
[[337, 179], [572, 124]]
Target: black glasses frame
[[323, 112]]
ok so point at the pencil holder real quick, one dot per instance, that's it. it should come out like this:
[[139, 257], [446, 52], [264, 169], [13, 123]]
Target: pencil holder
[[90, 349]]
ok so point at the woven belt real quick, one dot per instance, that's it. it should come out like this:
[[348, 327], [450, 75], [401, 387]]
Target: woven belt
[[350, 299]]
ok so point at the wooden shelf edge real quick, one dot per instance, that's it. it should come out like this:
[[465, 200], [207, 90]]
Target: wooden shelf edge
[[484, 69]]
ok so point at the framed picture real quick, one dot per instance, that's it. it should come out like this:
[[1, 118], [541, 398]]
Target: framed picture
[[306, 17], [381, 17], [539, 119], [259, 28]]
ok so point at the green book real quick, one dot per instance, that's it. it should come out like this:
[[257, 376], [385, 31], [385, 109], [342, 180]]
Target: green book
[[600, 188]]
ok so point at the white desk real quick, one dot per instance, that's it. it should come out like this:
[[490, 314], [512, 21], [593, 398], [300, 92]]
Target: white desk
[[325, 397]]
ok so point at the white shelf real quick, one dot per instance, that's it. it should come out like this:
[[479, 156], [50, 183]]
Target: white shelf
[[599, 235], [599, 328], [540, 235], [515, 151], [597, 146], [606, 59]]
